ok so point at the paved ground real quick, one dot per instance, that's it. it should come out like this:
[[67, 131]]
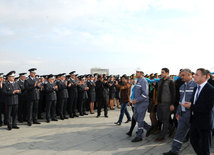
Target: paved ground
[[79, 136]]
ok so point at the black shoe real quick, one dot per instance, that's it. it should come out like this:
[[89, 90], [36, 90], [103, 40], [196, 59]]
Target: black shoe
[[128, 121], [9, 128], [62, 118], [98, 116], [20, 121], [65, 117], [106, 116], [48, 121], [54, 119], [15, 127], [85, 114], [160, 139], [170, 153], [148, 132], [36, 122], [136, 139], [129, 134], [186, 140], [71, 116], [81, 114], [75, 115], [117, 123], [29, 123]]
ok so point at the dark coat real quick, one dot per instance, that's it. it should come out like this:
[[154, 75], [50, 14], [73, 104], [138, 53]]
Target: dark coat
[[62, 90], [32, 92], [201, 111], [2, 96], [10, 98], [82, 92], [72, 90], [50, 92]]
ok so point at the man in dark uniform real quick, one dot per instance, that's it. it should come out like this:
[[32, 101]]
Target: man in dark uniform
[[11, 91], [51, 98], [91, 93], [22, 113], [82, 93], [32, 86], [57, 94], [73, 95], [62, 96], [102, 95], [2, 101], [41, 97]]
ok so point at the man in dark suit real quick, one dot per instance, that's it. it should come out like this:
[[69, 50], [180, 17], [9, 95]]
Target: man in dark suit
[[73, 95], [32, 86], [11, 91], [22, 98], [62, 96], [2, 103], [51, 98], [201, 113]]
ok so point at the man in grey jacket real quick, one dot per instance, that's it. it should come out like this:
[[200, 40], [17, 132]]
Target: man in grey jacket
[[166, 100], [141, 102], [183, 114]]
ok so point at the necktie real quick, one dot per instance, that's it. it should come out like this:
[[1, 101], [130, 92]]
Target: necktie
[[196, 97]]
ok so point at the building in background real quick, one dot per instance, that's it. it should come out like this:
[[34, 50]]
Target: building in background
[[99, 71]]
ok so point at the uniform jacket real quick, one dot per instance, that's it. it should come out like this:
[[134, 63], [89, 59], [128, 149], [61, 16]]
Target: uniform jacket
[[10, 98], [32, 92], [91, 85], [62, 90], [189, 89], [50, 92], [142, 92], [82, 92]]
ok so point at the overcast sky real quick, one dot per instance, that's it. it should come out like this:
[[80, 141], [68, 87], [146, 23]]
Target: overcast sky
[[63, 35]]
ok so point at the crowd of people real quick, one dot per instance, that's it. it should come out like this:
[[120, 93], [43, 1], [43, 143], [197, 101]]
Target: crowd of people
[[175, 104]]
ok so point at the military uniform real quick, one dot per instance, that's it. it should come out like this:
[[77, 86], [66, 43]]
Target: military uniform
[[2, 103], [102, 97], [32, 96], [11, 100], [51, 99], [91, 91], [62, 97], [22, 112], [73, 95], [83, 96]]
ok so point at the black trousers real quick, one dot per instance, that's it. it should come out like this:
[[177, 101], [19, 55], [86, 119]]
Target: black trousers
[[62, 107], [12, 115], [102, 102], [200, 140], [22, 109], [32, 111], [41, 106], [50, 109], [72, 104], [82, 106], [3, 112]]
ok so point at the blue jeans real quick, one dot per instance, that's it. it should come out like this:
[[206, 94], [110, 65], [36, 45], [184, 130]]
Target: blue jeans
[[122, 111]]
